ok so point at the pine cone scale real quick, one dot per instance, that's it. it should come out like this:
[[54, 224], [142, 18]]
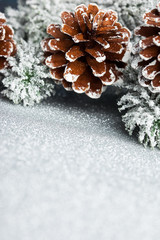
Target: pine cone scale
[[96, 88], [74, 53], [83, 83], [63, 45], [80, 16], [46, 47], [8, 32], [102, 41], [66, 29], [67, 85], [115, 56], [68, 18], [73, 70], [6, 48], [111, 74], [92, 11], [97, 53], [80, 38], [98, 69], [151, 70], [146, 31], [55, 31], [152, 18], [147, 42], [156, 81], [57, 73], [115, 48], [156, 41], [121, 36], [57, 60], [149, 52]]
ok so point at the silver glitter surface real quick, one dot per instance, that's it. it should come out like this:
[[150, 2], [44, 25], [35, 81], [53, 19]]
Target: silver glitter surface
[[69, 171]]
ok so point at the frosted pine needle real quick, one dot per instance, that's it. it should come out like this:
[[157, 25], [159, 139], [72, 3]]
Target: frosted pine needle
[[142, 112], [27, 81]]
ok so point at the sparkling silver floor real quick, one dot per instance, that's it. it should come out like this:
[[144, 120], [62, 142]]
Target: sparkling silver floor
[[68, 170]]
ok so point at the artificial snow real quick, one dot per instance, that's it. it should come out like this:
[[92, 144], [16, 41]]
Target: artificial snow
[[27, 82], [101, 57], [68, 170], [70, 77]]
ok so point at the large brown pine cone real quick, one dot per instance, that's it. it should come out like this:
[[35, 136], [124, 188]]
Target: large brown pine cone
[[88, 51], [7, 45], [149, 52]]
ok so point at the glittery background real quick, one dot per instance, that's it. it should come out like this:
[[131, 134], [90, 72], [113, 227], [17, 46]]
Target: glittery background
[[68, 170]]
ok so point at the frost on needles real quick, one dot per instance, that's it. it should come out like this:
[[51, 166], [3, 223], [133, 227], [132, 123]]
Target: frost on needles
[[142, 113], [27, 80]]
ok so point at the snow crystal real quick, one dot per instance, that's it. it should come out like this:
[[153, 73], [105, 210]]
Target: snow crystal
[[70, 58], [70, 77], [100, 58]]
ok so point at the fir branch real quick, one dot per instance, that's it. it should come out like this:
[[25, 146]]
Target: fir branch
[[27, 81], [142, 110]]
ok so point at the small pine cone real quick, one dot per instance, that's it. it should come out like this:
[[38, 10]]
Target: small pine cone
[[88, 51], [7, 45], [149, 50]]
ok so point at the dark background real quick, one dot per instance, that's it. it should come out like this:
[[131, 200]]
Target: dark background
[[6, 3]]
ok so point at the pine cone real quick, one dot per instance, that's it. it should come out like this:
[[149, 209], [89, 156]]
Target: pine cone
[[149, 52], [7, 45], [88, 51]]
